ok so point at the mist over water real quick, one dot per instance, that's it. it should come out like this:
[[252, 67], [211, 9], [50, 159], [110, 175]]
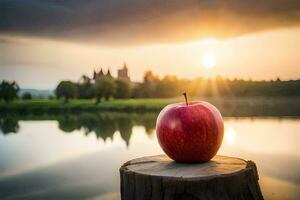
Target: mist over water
[[78, 156]]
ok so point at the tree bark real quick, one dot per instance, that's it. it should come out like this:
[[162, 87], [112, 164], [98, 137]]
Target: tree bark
[[159, 178]]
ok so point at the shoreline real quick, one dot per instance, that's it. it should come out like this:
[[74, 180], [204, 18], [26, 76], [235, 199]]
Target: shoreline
[[229, 106]]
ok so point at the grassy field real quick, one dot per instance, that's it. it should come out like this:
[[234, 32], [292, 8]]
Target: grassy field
[[44, 105], [242, 106]]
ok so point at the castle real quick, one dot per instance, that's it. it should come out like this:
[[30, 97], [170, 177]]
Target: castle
[[122, 73]]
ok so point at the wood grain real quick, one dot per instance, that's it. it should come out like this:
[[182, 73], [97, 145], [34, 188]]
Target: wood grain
[[160, 178]]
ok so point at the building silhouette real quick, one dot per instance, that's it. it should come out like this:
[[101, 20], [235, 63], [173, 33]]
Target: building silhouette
[[101, 74], [123, 73]]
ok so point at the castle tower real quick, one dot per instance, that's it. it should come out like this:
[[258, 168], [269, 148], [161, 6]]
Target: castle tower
[[101, 73], [108, 74], [94, 75], [97, 75], [123, 73]]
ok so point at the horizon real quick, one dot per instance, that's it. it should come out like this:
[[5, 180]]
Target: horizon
[[180, 78], [161, 77]]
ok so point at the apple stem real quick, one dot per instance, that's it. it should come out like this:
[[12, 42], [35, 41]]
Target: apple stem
[[186, 101]]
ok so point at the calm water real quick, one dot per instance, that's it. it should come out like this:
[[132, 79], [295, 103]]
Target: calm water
[[78, 157]]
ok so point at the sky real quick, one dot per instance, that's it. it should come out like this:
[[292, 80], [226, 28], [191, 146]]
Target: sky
[[43, 42]]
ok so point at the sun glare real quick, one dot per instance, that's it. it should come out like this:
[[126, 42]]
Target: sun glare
[[208, 61], [209, 41], [230, 136]]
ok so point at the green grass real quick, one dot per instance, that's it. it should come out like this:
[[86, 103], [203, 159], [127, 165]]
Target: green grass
[[40, 105], [230, 106]]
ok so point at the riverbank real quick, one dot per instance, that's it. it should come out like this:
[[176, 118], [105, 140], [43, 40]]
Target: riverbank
[[230, 106]]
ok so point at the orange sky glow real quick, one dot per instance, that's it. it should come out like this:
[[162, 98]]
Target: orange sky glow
[[41, 63]]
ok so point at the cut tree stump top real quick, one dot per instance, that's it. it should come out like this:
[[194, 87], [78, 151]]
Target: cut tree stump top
[[160, 178], [163, 166]]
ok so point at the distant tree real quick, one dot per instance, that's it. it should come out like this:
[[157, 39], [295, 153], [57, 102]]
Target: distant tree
[[104, 87], [123, 89], [26, 96], [169, 86], [98, 91], [8, 91], [85, 90], [50, 97], [149, 86], [66, 89]]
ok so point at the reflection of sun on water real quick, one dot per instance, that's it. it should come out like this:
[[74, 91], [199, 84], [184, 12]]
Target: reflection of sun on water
[[208, 60], [230, 136]]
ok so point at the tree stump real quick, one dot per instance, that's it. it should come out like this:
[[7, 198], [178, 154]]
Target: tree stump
[[160, 178]]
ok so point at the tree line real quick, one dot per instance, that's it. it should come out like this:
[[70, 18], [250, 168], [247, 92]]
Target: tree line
[[171, 86], [100, 87], [168, 86], [105, 87]]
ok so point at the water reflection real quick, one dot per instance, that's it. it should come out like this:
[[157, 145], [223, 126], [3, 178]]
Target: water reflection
[[230, 135], [9, 124], [103, 125], [78, 156]]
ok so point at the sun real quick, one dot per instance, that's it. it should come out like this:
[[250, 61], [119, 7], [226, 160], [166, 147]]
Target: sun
[[208, 61]]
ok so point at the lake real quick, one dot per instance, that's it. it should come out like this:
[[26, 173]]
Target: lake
[[78, 156]]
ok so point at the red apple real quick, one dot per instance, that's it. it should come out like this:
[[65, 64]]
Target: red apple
[[190, 132]]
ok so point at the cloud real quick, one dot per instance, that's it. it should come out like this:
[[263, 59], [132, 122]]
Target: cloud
[[126, 22]]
